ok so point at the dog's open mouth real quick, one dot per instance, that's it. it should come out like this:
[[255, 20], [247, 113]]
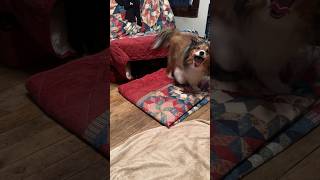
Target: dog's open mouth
[[198, 60], [280, 8]]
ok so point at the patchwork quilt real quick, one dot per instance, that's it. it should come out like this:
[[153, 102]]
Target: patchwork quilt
[[155, 16], [156, 95], [242, 125], [249, 130]]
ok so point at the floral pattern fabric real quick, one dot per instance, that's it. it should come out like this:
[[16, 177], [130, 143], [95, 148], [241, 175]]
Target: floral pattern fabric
[[156, 16], [170, 105]]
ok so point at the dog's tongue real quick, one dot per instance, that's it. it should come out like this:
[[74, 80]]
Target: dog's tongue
[[280, 8], [198, 60]]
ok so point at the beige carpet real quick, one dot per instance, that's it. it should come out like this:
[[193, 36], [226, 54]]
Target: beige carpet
[[181, 152]]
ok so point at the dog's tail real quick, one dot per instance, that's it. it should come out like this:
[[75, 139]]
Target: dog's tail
[[162, 39]]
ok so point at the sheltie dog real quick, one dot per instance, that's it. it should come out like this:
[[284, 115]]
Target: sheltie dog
[[188, 58], [263, 36]]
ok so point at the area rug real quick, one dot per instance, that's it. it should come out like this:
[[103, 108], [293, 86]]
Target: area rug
[[157, 95], [180, 152]]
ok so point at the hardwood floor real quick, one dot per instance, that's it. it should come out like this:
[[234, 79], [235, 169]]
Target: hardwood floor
[[33, 146], [126, 119]]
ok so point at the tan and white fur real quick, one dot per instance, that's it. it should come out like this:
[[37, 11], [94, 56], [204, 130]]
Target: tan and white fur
[[185, 49]]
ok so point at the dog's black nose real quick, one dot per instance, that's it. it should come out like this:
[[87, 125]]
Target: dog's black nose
[[201, 53]]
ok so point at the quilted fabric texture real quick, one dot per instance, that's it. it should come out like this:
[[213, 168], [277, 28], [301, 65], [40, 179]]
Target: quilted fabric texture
[[249, 128], [243, 124], [75, 94], [155, 15], [292, 134], [156, 95]]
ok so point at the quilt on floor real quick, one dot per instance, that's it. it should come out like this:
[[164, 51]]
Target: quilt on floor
[[75, 95], [156, 95], [249, 130], [97, 133], [292, 134], [242, 125]]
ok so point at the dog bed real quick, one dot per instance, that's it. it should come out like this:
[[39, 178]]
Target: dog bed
[[76, 95], [156, 95]]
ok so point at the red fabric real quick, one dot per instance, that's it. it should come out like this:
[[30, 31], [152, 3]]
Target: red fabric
[[74, 94], [132, 49], [35, 18], [139, 48], [138, 88], [30, 39], [119, 59]]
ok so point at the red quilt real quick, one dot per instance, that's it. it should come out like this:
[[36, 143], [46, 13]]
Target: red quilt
[[157, 95], [76, 95]]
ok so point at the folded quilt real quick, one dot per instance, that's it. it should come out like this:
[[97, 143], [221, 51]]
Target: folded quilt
[[249, 128], [242, 125], [97, 133], [156, 95], [292, 134], [181, 152]]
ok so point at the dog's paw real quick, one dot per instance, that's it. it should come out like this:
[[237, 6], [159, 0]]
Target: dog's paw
[[129, 76]]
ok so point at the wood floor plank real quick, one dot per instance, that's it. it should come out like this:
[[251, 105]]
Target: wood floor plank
[[96, 171], [12, 78], [308, 169], [283, 162], [19, 117], [20, 133], [69, 166], [37, 162], [14, 98], [31, 145]]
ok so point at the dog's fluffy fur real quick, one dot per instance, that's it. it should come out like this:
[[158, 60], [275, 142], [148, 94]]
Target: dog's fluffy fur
[[246, 35], [188, 58]]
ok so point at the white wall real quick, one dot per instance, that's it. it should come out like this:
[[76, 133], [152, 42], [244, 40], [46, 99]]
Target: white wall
[[198, 23]]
